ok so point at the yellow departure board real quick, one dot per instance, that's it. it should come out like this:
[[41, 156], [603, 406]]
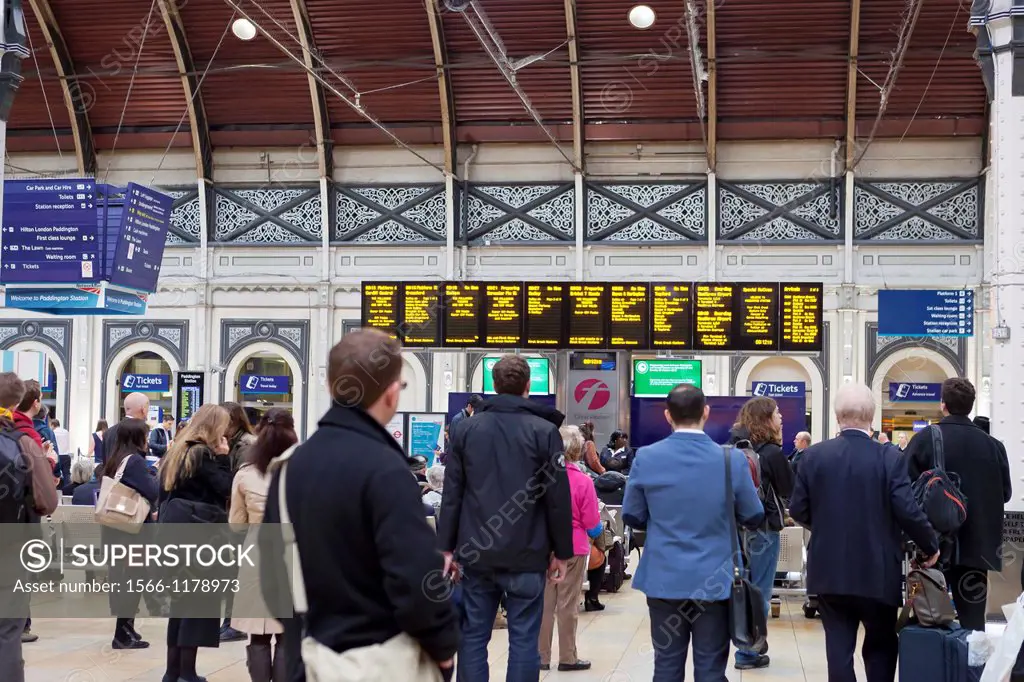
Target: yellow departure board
[[502, 315], [421, 314], [629, 315], [713, 316], [671, 315], [588, 315], [801, 317], [756, 317], [545, 315], [462, 314], [381, 306]]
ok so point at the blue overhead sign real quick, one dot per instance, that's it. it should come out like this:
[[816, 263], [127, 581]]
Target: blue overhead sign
[[145, 383], [779, 389], [50, 232], [94, 300], [918, 312], [914, 393], [140, 248], [258, 384]]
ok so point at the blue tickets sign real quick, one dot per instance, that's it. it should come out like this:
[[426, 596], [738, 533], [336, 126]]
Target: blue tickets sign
[[917, 393], [145, 219], [779, 389], [259, 384], [918, 312], [145, 383]]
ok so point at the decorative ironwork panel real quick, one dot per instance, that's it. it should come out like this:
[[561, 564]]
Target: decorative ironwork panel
[[389, 214], [186, 223], [780, 211], [520, 213], [268, 215], [878, 348], [647, 212], [918, 210]]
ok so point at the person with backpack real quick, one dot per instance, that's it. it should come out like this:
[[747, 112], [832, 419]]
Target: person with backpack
[[758, 432], [28, 477], [980, 463]]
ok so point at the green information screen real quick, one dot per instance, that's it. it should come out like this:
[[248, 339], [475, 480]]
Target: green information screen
[[655, 378], [540, 378]]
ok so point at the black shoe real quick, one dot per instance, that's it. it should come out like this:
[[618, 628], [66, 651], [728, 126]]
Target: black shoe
[[569, 667], [761, 661], [229, 634], [129, 644], [544, 667], [592, 605]]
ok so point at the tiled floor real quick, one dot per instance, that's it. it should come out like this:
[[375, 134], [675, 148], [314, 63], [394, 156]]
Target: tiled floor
[[617, 641]]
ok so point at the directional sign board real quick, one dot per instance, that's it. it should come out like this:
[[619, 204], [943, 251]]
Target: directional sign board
[[918, 312], [50, 232], [140, 249]]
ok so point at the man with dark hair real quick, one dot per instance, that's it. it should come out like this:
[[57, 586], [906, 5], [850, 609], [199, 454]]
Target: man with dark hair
[[472, 405], [690, 538], [506, 520], [28, 408], [371, 566], [980, 462]]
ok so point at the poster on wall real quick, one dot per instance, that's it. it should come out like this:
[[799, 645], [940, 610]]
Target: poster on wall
[[396, 427], [593, 396], [426, 434]]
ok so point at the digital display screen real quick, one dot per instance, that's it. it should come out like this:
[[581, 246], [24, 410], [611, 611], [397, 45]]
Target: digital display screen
[[462, 314], [421, 314], [713, 316], [545, 315], [381, 306], [756, 317], [801, 317], [629, 315], [502, 315], [671, 316], [588, 315]]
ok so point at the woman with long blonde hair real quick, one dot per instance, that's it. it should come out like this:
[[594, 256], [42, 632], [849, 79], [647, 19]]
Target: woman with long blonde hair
[[195, 483]]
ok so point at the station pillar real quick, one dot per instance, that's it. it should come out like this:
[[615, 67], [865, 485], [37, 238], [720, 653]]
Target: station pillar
[[1001, 58]]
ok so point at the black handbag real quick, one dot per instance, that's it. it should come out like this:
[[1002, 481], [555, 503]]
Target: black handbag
[[748, 622]]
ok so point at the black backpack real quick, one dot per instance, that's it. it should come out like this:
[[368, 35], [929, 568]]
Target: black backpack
[[937, 492], [14, 479]]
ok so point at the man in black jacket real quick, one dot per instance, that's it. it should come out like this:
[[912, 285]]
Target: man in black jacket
[[980, 462], [370, 561], [506, 520]]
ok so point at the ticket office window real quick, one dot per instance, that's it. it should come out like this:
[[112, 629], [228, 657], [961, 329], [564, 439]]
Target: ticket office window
[[149, 374], [907, 411], [264, 381]]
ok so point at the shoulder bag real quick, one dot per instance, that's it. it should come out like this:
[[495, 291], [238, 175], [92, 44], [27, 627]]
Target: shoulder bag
[[399, 658], [748, 622], [119, 506], [928, 600]]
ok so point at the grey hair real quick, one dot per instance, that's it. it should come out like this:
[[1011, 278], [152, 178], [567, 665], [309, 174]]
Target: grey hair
[[82, 470], [803, 435], [855, 406], [573, 442], [435, 477]]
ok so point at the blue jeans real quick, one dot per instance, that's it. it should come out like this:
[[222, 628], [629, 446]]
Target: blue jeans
[[763, 549], [524, 604], [674, 624]]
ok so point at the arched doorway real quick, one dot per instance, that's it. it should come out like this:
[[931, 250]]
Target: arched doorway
[[263, 380], [54, 385], [788, 376], [908, 385], [149, 373], [414, 397]]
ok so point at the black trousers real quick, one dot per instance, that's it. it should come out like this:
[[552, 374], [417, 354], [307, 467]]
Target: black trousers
[[595, 577], [676, 625], [842, 616], [970, 595]]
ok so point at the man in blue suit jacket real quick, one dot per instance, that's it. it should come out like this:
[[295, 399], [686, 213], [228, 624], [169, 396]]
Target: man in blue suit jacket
[[676, 490], [854, 494]]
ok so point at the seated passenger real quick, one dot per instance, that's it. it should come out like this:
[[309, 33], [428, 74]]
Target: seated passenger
[[618, 456], [81, 473]]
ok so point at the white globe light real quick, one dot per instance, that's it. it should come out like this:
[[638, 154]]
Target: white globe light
[[243, 29], [642, 17]]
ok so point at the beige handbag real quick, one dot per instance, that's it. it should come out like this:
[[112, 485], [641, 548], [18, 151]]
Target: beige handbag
[[119, 506], [399, 658]]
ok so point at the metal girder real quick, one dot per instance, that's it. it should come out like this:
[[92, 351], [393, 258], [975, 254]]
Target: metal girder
[[712, 141], [578, 132], [321, 121], [444, 86], [76, 103], [190, 82], [851, 84]]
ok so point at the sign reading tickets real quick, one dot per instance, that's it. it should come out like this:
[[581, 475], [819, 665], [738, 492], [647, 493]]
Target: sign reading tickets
[[145, 383], [779, 389], [914, 393], [259, 384], [540, 379], [657, 378]]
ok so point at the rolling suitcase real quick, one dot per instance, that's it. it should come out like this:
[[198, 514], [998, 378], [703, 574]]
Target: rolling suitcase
[[935, 655], [615, 573]]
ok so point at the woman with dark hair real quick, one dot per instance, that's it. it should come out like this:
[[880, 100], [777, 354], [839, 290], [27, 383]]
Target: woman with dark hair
[[759, 427], [126, 463], [248, 499], [590, 457], [617, 456], [240, 434], [96, 444]]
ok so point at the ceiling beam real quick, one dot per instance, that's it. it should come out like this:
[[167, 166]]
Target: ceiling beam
[[444, 86], [851, 84], [321, 120], [85, 147], [712, 90], [190, 82], [578, 130]]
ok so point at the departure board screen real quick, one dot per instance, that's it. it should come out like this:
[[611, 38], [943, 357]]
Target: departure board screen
[[713, 316], [381, 306], [588, 315], [629, 316], [462, 314], [421, 314], [671, 316], [502, 315], [756, 317], [544, 326], [801, 317]]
